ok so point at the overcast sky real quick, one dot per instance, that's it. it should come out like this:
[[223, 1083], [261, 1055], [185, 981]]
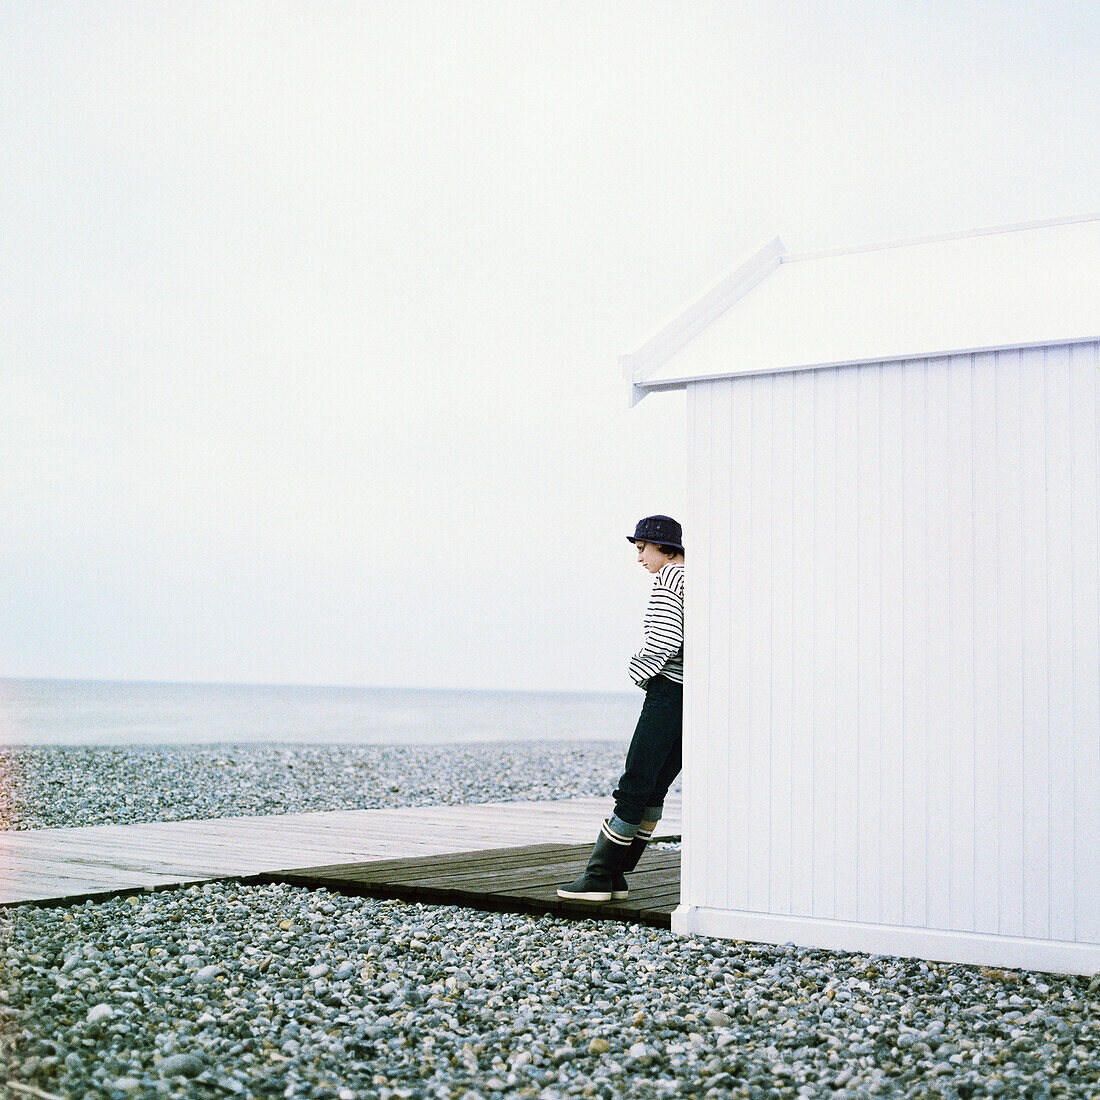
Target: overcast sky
[[310, 313]]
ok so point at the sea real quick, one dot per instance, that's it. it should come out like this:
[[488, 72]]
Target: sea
[[119, 713]]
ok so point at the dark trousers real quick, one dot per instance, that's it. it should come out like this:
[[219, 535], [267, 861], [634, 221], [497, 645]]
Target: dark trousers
[[654, 758]]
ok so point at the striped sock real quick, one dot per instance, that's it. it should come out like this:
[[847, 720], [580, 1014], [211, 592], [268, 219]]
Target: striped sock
[[611, 830]]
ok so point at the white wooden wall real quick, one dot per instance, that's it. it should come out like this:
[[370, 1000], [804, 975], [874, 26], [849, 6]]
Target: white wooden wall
[[893, 706]]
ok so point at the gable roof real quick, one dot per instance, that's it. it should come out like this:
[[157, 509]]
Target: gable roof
[[1016, 286]]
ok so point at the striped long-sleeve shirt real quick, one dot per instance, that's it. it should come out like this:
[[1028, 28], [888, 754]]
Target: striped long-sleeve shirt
[[663, 651]]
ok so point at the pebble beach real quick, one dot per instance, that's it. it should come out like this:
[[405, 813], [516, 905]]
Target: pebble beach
[[65, 786], [229, 989]]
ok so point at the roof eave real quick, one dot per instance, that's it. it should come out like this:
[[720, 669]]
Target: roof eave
[[658, 349], [680, 382]]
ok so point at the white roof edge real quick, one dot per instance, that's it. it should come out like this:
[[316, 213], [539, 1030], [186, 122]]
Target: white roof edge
[[670, 338], [679, 383], [956, 236]]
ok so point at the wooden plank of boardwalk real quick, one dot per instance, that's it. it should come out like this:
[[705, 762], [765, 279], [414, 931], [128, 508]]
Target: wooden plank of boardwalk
[[56, 865], [521, 879]]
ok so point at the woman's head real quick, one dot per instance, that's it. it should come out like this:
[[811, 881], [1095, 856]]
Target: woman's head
[[664, 535], [655, 556]]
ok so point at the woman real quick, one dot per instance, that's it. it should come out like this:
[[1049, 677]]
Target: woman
[[654, 758]]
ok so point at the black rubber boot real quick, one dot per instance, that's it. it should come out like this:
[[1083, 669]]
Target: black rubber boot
[[619, 888], [606, 861]]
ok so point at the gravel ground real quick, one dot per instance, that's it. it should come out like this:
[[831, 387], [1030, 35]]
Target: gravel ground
[[59, 787], [275, 991], [269, 991]]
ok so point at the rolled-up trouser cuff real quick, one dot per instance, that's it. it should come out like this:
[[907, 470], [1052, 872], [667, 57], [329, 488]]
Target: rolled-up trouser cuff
[[622, 828]]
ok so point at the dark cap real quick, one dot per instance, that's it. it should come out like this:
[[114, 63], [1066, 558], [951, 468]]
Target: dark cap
[[660, 530]]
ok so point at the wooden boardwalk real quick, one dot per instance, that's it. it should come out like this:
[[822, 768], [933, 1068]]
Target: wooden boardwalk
[[511, 879], [95, 861]]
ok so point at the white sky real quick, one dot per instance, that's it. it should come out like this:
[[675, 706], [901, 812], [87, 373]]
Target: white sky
[[310, 312]]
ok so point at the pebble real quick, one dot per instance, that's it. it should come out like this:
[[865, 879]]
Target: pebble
[[180, 1065], [207, 974]]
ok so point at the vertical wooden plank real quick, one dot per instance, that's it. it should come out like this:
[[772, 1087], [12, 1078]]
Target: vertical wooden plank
[[847, 541], [690, 710], [691, 401], [804, 508], [1060, 640], [698, 730], [892, 629], [1009, 645], [760, 653], [869, 717], [914, 505], [825, 612], [781, 559], [1035, 761], [960, 625], [986, 613], [938, 745], [1085, 444], [740, 640], [723, 770]]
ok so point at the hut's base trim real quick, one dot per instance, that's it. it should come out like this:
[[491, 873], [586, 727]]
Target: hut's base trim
[[978, 949]]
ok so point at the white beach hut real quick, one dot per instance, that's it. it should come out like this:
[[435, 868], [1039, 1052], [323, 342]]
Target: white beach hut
[[892, 711]]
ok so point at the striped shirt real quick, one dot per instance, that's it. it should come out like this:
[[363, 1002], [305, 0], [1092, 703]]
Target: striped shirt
[[663, 651]]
